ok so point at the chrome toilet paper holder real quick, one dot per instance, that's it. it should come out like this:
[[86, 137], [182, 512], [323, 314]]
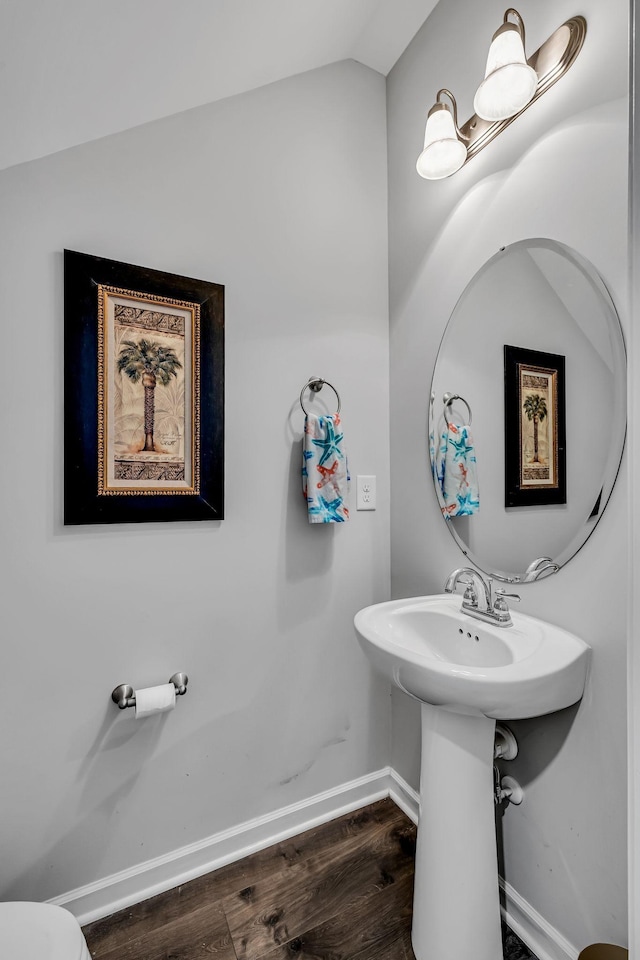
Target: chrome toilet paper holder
[[125, 696]]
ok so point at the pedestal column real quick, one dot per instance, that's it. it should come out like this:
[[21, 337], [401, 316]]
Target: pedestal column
[[456, 906]]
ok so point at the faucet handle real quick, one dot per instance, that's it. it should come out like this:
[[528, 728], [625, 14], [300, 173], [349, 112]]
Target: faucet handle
[[498, 595], [511, 596], [470, 595], [501, 607]]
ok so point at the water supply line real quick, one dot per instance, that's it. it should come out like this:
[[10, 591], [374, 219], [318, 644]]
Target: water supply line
[[505, 748], [506, 788], [506, 745]]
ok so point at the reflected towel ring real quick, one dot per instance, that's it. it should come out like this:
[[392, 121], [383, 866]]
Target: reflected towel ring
[[316, 384], [448, 399]]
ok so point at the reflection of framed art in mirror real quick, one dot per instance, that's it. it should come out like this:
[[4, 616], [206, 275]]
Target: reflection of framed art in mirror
[[535, 427]]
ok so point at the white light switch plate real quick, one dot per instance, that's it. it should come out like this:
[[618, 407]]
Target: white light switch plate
[[365, 493]]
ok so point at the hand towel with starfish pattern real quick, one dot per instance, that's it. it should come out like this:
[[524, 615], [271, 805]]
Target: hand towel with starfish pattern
[[456, 471], [325, 474]]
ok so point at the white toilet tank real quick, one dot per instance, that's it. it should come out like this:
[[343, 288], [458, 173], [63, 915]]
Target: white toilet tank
[[40, 931]]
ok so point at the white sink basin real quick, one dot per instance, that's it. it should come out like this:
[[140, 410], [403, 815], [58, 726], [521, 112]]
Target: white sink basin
[[441, 656]]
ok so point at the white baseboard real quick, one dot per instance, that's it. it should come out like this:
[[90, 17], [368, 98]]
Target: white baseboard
[[123, 889], [404, 796], [540, 937]]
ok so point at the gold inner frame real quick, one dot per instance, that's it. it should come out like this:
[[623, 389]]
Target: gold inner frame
[[552, 374], [104, 292]]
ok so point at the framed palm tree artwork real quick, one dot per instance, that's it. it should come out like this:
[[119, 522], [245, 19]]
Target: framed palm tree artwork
[[144, 394], [535, 427]]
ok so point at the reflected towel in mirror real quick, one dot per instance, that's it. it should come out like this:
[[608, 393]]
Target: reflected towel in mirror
[[325, 473], [455, 470]]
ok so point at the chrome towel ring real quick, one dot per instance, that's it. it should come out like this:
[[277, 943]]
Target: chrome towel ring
[[448, 399], [316, 384]]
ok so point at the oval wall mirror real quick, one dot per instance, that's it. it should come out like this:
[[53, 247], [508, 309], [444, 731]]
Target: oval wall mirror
[[532, 366]]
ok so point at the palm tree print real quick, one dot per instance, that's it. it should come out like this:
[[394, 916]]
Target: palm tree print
[[535, 408], [150, 362]]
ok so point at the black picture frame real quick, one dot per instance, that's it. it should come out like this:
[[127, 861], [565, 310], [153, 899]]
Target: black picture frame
[[102, 486], [535, 463]]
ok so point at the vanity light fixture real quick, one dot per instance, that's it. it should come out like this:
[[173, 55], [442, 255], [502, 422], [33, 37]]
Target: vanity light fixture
[[511, 84], [443, 152]]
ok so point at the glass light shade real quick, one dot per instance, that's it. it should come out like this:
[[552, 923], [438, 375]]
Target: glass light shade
[[443, 152], [510, 83]]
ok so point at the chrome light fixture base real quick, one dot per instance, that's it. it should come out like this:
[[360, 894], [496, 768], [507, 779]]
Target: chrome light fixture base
[[550, 62]]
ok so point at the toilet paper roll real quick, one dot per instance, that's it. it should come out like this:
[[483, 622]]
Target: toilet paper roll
[[152, 700]]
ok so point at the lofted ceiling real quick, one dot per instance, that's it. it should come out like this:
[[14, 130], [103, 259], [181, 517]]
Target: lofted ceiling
[[75, 70]]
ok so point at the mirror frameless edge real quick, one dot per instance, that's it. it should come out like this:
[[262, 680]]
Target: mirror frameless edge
[[540, 295]]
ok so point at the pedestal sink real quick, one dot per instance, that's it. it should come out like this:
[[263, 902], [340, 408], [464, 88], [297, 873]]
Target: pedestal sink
[[467, 674]]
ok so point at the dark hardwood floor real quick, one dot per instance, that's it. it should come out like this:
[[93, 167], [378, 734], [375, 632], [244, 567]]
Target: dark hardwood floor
[[341, 891]]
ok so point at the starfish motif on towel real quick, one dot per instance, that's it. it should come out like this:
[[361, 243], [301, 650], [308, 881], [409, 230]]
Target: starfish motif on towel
[[467, 505], [329, 510], [330, 446], [461, 446], [327, 474], [463, 476]]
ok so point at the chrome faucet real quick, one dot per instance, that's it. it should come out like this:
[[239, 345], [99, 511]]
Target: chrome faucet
[[483, 603]]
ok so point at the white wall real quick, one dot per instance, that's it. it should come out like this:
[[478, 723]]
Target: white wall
[[78, 69], [268, 194], [560, 171]]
